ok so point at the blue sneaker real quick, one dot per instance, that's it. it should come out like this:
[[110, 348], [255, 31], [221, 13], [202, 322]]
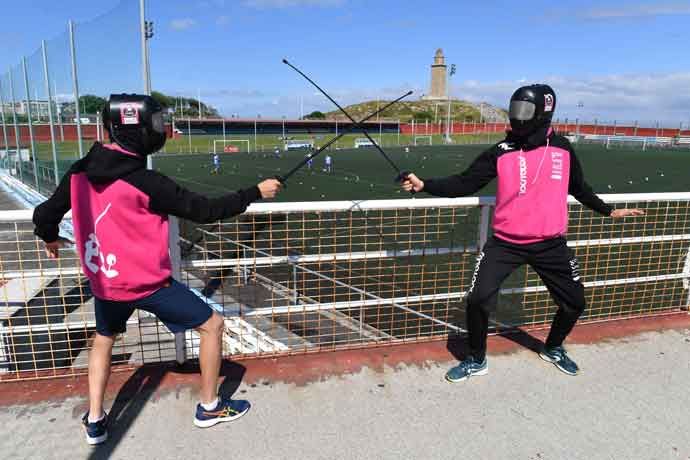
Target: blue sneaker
[[559, 357], [226, 411], [467, 368], [96, 432]]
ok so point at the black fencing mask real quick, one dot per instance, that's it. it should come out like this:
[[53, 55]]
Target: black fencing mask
[[135, 123], [531, 108]]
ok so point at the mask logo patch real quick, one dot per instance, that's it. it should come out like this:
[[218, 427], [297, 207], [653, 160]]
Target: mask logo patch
[[129, 115], [548, 103]]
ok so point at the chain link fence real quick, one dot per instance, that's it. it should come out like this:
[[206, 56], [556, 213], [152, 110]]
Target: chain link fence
[[315, 276], [51, 100]]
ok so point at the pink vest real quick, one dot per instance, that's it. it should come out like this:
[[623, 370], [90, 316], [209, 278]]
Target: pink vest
[[532, 195], [122, 245]]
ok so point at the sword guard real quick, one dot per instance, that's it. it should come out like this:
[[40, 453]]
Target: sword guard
[[402, 177]]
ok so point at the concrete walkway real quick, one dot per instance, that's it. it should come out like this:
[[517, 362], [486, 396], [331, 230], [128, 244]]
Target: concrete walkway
[[631, 402], [8, 203]]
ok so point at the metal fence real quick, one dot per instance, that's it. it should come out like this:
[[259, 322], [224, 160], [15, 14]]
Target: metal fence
[[48, 100], [310, 277], [48, 117], [576, 127]]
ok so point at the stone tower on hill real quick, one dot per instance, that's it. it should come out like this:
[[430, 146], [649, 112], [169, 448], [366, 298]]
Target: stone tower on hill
[[438, 91]]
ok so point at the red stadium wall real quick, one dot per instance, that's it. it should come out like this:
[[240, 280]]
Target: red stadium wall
[[42, 133], [422, 129], [614, 130]]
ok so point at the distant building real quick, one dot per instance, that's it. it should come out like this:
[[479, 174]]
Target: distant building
[[438, 90], [39, 109]]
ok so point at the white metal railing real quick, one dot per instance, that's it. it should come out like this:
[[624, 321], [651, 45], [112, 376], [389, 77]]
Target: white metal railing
[[293, 277], [24, 215]]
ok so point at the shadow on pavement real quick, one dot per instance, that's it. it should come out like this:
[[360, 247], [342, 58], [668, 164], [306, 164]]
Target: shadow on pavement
[[457, 343], [140, 388]]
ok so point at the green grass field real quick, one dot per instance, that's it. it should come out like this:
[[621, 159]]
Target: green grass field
[[364, 174], [68, 151], [267, 142], [264, 143]]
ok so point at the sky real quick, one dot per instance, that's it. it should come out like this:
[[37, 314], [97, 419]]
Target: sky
[[625, 60]]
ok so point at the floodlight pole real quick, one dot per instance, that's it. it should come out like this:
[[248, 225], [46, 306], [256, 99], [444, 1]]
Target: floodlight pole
[[58, 112], [34, 152], [75, 87], [449, 106], [199, 101], [46, 76], [149, 35], [173, 225], [144, 49], [17, 133], [189, 132], [4, 127], [380, 132], [146, 29]]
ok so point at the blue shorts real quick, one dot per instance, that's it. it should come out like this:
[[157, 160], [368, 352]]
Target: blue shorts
[[175, 305]]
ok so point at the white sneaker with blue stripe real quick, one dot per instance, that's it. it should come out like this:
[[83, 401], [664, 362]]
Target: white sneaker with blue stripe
[[226, 410]]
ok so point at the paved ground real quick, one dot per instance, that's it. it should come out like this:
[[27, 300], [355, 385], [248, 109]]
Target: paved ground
[[7, 202], [631, 402]]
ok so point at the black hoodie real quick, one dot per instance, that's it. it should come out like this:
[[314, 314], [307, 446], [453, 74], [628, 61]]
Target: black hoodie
[[104, 165], [534, 177], [484, 169], [120, 215]]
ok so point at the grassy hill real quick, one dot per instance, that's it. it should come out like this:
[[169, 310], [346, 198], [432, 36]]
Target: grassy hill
[[423, 110]]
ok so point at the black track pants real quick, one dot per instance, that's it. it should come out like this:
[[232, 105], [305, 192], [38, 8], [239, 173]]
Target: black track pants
[[555, 264]]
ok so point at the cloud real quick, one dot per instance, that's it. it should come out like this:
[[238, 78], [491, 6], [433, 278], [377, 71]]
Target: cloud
[[265, 4], [632, 10], [248, 102], [624, 97], [628, 97], [182, 23]]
